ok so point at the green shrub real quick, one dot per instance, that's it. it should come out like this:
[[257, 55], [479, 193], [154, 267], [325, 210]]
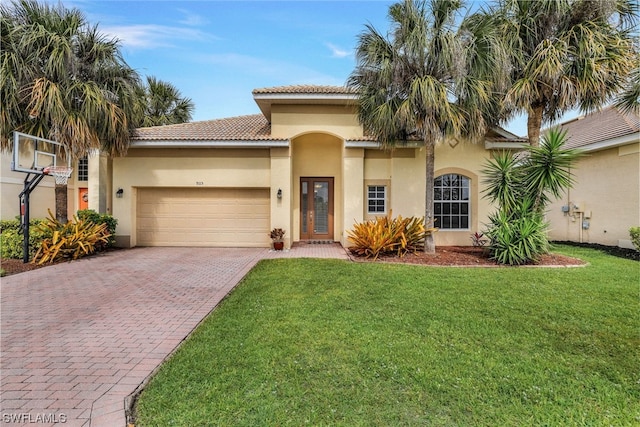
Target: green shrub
[[11, 238], [387, 235], [97, 218], [522, 185], [72, 240], [6, 224], [634, 232], [517, 238]]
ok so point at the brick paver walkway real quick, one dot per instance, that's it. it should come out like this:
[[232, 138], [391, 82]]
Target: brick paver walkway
[[78, 338]]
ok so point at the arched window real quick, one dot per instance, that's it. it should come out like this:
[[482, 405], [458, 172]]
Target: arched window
[[451, 202]]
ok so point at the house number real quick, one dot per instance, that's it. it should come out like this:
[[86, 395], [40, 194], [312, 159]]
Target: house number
[[199, 182]]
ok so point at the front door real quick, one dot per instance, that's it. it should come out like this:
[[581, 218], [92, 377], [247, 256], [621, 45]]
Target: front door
[[83, 198], [316, 208]]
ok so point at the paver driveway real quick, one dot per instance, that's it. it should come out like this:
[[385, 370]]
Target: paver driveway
[[79, 337]]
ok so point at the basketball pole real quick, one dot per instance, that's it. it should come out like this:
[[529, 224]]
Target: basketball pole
[[30, 183]]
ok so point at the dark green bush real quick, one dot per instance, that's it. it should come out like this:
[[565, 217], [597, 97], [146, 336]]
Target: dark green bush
[[97, 218], [634, 232], [517, 238]]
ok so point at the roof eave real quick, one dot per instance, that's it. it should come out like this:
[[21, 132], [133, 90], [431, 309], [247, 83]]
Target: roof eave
[[611, 143], [211, 144], [492, 145]]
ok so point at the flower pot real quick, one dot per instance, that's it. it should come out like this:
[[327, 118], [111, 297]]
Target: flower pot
[[278, 246]]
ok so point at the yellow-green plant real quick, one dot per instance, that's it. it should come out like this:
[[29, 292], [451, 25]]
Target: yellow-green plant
[[388, 235], [73, 240]]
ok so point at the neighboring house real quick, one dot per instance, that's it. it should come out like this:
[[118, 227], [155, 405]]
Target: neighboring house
[[605, 200], [91, 170], [303, 165]]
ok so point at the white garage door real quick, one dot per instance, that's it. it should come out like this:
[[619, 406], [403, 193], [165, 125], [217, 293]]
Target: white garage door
[[203, 217]]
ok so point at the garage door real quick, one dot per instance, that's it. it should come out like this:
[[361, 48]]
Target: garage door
[[203, 217]]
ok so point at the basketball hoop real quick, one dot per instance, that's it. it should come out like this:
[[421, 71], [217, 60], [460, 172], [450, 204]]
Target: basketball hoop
[[60, 173]]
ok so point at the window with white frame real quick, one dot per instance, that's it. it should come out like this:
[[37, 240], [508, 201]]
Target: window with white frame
[[83, 169], [452, 202], [377, 199]]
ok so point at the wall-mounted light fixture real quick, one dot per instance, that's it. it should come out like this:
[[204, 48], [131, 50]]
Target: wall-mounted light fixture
[[119, 193], [279, 194]]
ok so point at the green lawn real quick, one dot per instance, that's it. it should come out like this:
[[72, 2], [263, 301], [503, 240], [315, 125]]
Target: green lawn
[[327, 342]]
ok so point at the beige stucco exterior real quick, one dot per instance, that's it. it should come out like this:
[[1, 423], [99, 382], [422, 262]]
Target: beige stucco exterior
[[315, 138], [43, 196], [605, 200]]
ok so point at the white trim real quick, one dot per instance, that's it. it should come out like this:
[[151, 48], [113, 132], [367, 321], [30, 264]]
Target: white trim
[[374, 144], [490, 145], [209, 144], [361, 144], [611, 143]]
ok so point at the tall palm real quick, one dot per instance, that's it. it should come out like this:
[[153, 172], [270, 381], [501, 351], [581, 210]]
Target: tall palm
[[421, 82], [566, 54], [164, 104], [63, 80]]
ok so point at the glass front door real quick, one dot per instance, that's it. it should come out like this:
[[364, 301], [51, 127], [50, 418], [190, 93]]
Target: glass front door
[[316, 208]]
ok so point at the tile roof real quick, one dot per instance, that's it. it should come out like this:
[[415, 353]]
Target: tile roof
[[603, 125], [305, 89], [242, 128]]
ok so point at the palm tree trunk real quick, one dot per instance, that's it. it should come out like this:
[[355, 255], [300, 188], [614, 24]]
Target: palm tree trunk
[[429, 148], [534, 122], [61, 203]]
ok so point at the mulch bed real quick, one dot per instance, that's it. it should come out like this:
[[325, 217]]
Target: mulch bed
[[466, 256]]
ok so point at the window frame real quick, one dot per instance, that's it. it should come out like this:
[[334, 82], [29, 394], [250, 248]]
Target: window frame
[[455, 206], [384, 199], [83, 168]]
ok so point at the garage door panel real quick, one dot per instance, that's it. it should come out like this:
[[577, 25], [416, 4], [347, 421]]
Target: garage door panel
[[203, 217]]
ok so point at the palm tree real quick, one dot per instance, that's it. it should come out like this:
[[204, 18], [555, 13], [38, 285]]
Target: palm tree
[[629, 99], [164, 105], [65, 81], [566, 54], [422, 83]]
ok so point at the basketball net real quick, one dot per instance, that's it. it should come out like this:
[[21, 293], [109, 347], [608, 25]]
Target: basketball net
[[60, 173]]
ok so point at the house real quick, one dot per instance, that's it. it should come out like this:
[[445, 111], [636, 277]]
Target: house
[[303, 164], [605, 200]]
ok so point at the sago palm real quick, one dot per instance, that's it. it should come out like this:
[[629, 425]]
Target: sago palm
[[421, 83]]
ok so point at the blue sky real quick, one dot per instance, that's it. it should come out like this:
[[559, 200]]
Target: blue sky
[[217, 52]]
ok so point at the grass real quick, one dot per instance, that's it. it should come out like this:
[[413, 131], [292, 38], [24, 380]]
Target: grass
[[327, 342]]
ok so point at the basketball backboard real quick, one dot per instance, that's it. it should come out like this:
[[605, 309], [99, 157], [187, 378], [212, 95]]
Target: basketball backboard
[[32, 154]]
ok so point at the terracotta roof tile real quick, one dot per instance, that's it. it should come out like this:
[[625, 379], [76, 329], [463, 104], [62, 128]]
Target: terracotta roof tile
[[305, 89], [603, 125], [242, 128]]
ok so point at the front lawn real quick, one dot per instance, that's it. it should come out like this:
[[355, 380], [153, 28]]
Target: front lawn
[[327, 342]]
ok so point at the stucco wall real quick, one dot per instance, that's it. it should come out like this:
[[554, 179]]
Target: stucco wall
[[607, 190], [288, 121], [42, 198], [404, 168], [182, 168]]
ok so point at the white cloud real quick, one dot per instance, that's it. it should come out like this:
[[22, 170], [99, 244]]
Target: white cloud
[[281, 72], [337, 52], [148, 36], [192, 19]]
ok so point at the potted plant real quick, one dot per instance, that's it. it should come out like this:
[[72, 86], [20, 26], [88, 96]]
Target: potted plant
[[277, 236]]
